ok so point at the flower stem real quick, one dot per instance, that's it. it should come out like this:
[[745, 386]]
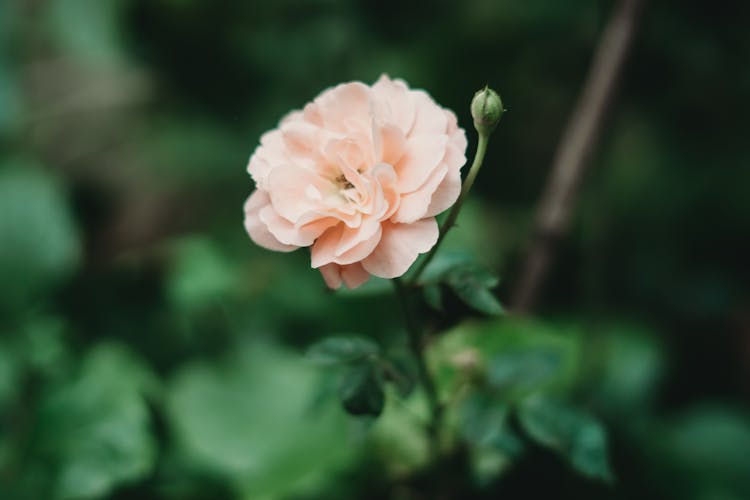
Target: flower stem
[[417, 349], [450, 220]]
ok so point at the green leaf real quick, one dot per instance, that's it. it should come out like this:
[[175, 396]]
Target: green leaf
[[361, 391], [401, 370], [342, 350], [249, 417], [631, 365], [433, 295], [98, 426], [40, 244], [200, 275], [548, 356], [470, 281], [577, 436], [709, 445], [89, 31], [524, 369], [472, 285], [484, 422]]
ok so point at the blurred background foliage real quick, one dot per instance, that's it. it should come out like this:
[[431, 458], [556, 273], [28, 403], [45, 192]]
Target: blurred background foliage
[[148, 350]]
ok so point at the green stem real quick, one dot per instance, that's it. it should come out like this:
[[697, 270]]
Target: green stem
[[416, 346], [450, 221]]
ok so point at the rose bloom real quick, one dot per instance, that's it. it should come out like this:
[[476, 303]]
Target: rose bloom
[[358, 176]]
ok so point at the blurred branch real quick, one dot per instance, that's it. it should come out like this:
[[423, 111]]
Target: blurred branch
[[576, 145]]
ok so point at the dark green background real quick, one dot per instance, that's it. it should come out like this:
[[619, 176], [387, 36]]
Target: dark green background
[[149, 350]]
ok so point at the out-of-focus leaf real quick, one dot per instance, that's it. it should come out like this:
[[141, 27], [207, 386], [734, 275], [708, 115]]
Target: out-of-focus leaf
[[43, 347], [433, 295], [482, 419], [577, 436], [710, 447], [186, 147], [39, 239], [98, 426], [9, 368], [401, 370], [397, 435], [342, 350], [541, 348], [249, 418], [522, 369], [87, 30], [361, 390], [200, 274], [631, 366], [11, 102], [483, 423]]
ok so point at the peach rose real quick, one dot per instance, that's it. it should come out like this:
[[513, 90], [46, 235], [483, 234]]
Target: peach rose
[[358, 175]]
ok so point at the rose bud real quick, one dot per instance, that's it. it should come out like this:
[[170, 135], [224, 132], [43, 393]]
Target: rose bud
[[486, 109]]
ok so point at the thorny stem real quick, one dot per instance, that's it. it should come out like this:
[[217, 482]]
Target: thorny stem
[[450, 220], [417, 348]]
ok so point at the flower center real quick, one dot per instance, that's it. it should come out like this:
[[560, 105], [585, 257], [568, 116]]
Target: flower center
[[343, 183]]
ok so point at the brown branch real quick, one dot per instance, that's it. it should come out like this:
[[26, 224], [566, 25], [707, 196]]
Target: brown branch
[[576, 145]]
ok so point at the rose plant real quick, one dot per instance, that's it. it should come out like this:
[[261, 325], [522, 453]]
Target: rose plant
[[359, 176]]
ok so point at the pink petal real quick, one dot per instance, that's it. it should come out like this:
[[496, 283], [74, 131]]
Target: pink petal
[[422, 156], [323, 250], [389, 143], [386, 191], [430, 118], [445, 195], [301, 142], [355, 245], [354, 275], [447, 192], [331, 275], [257, 230], [399, 247], [414, 205], [346, 152], [393, 103], [362, 249], [289, 187], [301, 234], [351, 237], [345, 106]]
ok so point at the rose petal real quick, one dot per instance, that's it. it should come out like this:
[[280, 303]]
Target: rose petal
[[323, 250], [399, 247], [389, 143], [290, 193], [430, 118], [445, 195], [422, 156], [414, 205], [301, 234], [345, 107], [331, 275], [257, 230], [393, 103], [354, 275], [361, 249]]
